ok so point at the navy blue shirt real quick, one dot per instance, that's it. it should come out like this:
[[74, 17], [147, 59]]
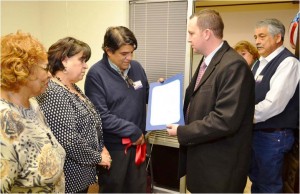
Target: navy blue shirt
[[122, 107]]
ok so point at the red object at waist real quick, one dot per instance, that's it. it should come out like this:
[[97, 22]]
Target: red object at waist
[[140, 154]]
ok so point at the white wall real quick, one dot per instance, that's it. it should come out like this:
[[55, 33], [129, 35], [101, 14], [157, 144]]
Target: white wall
[[88, 20], [20, 15], [52, 20]]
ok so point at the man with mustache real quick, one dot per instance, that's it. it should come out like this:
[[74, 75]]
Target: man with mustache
[[277, 106]]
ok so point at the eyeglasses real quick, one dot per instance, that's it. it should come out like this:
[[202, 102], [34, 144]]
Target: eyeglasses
[[129, 81], [44, 68]]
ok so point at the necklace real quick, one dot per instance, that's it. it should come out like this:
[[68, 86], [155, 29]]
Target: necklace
[[58, 78], [74, 91]]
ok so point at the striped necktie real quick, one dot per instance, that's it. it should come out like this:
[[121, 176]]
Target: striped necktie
[[200, 74]]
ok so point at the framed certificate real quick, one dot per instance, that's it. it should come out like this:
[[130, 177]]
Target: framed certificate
[[165, 103]]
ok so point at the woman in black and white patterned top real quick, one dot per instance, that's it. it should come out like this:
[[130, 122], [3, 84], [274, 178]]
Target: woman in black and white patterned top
[[72, 117]]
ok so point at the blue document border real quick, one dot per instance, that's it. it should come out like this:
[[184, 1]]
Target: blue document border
[[150, 127]]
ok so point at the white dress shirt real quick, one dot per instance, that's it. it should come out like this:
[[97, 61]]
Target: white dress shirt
[[209, 57], [282, 86]]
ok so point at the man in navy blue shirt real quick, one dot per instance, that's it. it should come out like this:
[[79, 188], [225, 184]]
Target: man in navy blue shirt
[[118, 87]]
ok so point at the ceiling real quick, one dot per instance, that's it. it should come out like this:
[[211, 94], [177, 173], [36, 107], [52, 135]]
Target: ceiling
[[213, 3]]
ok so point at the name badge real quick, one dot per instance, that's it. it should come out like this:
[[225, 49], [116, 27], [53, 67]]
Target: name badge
[[137, 85], [259, 78]]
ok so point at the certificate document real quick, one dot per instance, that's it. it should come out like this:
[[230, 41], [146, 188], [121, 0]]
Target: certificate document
[[165, 103]]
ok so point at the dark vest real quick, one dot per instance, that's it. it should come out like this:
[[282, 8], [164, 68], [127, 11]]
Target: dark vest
[[289, 118]]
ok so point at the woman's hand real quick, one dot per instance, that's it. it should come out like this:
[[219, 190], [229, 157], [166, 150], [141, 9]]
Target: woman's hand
[[106, 159], [105, 151]]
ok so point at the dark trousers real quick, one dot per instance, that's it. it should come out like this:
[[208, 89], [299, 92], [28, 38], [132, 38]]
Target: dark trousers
[[124, 176], [268, 150]]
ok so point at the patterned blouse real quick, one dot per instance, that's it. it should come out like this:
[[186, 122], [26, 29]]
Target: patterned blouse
[[75, 123], [32, 160]]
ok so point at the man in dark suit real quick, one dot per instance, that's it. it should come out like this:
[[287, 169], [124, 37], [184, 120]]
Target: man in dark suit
[[215, 143]]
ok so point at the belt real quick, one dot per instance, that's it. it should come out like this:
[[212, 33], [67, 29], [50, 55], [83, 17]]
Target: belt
[[271, 130]]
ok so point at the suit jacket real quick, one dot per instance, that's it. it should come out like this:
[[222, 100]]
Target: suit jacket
[[215, 143]]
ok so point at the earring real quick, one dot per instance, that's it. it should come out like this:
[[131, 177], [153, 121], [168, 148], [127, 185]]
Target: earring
[[65, 70]]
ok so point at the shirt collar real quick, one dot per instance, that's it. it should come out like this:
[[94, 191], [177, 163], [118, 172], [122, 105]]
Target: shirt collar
[[272, 55], [117, 69], [209, 57]]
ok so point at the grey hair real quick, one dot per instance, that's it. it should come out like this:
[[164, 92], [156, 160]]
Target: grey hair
[[274, 26]]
